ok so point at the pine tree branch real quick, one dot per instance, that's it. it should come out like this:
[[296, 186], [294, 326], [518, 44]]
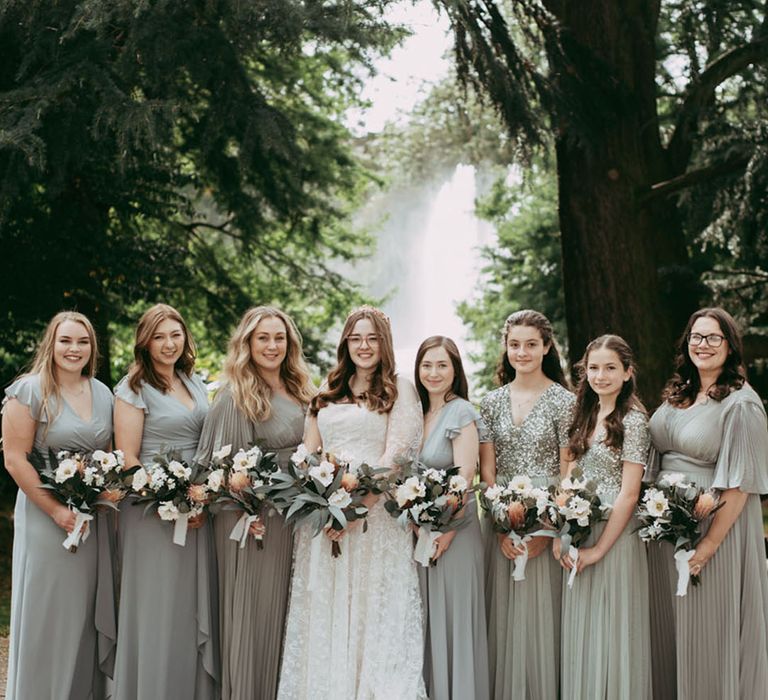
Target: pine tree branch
[[694, 177], [701, 94]]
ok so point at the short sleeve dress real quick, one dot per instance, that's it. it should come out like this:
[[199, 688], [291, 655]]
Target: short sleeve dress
[[524, 616], [62, 604], [719, 637], [167, 644], [253, 583], [456, 651], [606, 623]]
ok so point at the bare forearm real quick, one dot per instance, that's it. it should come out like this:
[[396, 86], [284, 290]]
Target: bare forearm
[[734, 501], [622, 510], [27, 479]]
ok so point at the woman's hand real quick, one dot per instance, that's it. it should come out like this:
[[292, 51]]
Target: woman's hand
[[556, 546], [197, 521], [257, 528], [703, 553], [334, 535], [508, 548], [587, 557], [442, 543], [64, 518], [537, 545]]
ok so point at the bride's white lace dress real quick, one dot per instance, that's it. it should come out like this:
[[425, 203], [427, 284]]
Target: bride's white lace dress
[[354, 628]]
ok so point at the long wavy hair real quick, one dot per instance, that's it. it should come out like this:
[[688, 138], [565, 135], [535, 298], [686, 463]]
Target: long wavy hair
[[252, 395], [43, 363], [142, 370], [588, 402], [382, 392], [550, 364], [685, 383], [459, 387]]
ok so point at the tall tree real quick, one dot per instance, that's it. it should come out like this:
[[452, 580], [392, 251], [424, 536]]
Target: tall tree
[[626, 91], [188, 151]]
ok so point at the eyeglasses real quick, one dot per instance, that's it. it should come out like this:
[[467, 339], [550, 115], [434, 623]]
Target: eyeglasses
[[358, 340], [713, 339]]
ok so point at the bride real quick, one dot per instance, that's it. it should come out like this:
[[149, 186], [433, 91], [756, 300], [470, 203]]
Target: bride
[[354, 628]]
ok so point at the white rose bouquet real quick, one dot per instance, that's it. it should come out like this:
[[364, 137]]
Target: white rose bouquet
[[516, 508], [81, 481], [325, 491], [672, 511], [575, 508], [429, 500], [175, 489]]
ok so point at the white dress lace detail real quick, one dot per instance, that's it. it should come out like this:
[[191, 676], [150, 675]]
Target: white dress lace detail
[[354, 628]]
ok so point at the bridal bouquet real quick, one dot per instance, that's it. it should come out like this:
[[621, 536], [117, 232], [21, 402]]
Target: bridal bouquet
[[177, 490], [327, 492], [575, 508], [515, 509], [246, 481], [81, 481], [672, 511], [428, 499]]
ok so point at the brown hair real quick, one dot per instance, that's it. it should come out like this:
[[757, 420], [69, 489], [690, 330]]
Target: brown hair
[[588, 403], [43, 364], [550, 364], [142, 369], [382, 393], [250, 392], [685, 383], [459, 387]]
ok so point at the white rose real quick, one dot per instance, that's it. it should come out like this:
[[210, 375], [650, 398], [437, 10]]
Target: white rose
[[410, 490], [656, 503], [457, 484], [241, 461], [98, 455], [216, 479], [167, 511], [521, 484], [323, 472], [179, 470], [140, 479], [340, 498], [223, 452], [66, 470], [300, 455]]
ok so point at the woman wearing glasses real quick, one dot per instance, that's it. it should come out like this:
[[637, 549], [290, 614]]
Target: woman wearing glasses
[[712, 429]]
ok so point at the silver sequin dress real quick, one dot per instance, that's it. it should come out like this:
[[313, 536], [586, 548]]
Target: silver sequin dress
[[606, 623], [524, 616]]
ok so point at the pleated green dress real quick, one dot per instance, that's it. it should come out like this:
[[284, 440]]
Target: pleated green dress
[[453, 591], [63, 627], [253, 584], [606, 622], [524, 616], [715, 643]]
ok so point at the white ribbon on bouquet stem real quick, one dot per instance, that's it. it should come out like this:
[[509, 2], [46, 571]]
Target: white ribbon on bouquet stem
[[573, 553], [180, 526], [518, 571], [80, 532], [426, 545], [683, 566], [242, 527]]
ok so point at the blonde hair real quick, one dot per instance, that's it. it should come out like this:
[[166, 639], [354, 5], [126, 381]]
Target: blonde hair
[[142, 369], [44, 366], [252, 395], [383, 390]]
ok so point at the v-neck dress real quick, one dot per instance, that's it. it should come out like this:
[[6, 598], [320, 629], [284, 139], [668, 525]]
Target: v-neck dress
[[524, 616], [606, 649], [62, 603], [453, 591], [167, 643], [253, 583], [713, 642]]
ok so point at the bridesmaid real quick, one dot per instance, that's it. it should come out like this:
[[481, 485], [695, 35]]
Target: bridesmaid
[[712, 428], [62, 607], [527, 423], [266, 391], [167, 628], [456, 652], [606, 633]]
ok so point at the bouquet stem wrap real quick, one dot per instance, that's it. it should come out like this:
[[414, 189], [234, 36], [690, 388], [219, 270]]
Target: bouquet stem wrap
[[425, 545], [180, 526], [242, 526], [682, 564], [79, 533], [573, 553], [521, 560]]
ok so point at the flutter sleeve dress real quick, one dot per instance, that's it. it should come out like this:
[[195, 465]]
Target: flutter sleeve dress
[[167, 644], [253, 583], [62, 633], [524, 616], [720, 627]]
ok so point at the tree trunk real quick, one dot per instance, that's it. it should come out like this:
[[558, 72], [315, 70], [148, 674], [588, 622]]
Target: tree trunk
[[624, 261]]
